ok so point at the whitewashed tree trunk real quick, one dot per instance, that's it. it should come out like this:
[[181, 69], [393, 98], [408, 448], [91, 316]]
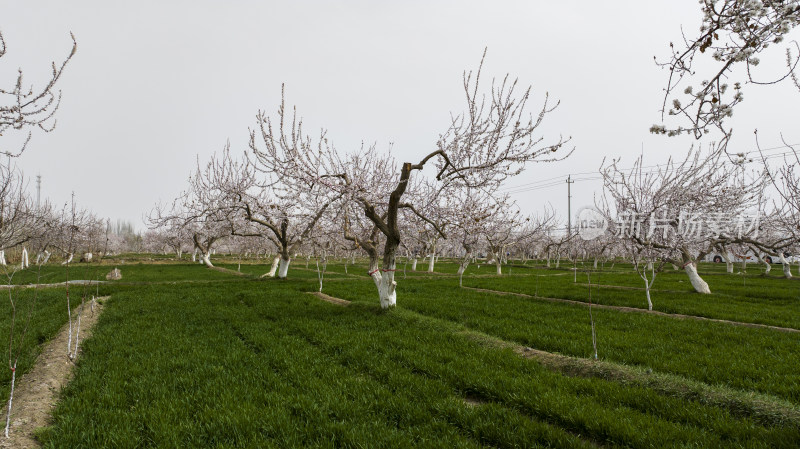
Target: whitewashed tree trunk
[[461, 268], [180, 253], [648, 284], [206, 259], [647, 292], [24, 263], [595, 263], [498, 264], [763, 260], [283, 270], [3, 258], [432, 262], [387, 290], [194, 255], [375, 273], [414, 264], [47, 255], [274, 267], [11, 396], [698, 283], [649, 265], [69, 259], [726, 256], [787, 267]]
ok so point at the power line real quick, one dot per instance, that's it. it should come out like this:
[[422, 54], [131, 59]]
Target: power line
[[551, 182]]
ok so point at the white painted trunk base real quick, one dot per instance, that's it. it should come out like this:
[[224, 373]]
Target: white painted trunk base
[[387, 290], [274, 267], [461, 269], [375, 274], [787, 267], [283, 270], [698, 283]]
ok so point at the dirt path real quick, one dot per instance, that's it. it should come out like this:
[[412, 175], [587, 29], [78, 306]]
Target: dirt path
[[229, 271], [57, 284], [36, 392], [330, 299], [636, 310]]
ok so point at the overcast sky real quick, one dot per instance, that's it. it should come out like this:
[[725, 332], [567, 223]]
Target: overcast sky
[[155, 85]]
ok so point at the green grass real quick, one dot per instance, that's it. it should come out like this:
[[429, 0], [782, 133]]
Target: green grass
[[185, 356], [715, 353], [772, 301], [263, 364], [50, 314]]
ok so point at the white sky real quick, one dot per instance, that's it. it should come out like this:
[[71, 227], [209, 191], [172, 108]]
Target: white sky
[[154, 84]]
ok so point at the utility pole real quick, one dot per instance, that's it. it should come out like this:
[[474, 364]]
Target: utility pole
[[38, 190], [569, 206]]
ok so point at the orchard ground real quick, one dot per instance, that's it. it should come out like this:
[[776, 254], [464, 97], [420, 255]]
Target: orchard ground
[[186, 356]]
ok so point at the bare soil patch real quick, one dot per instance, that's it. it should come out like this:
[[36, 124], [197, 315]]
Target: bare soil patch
[[36, 392], [330, 299], [229, 271]]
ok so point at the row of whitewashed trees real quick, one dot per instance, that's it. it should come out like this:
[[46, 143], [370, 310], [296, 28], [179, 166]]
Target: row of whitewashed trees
[[27, 227], [292, 189], [299, 195], [289, 182], [32, 233]]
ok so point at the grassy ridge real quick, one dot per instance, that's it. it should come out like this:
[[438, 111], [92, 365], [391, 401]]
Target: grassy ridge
[[762, 300], [714, 353], [753, 298]]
